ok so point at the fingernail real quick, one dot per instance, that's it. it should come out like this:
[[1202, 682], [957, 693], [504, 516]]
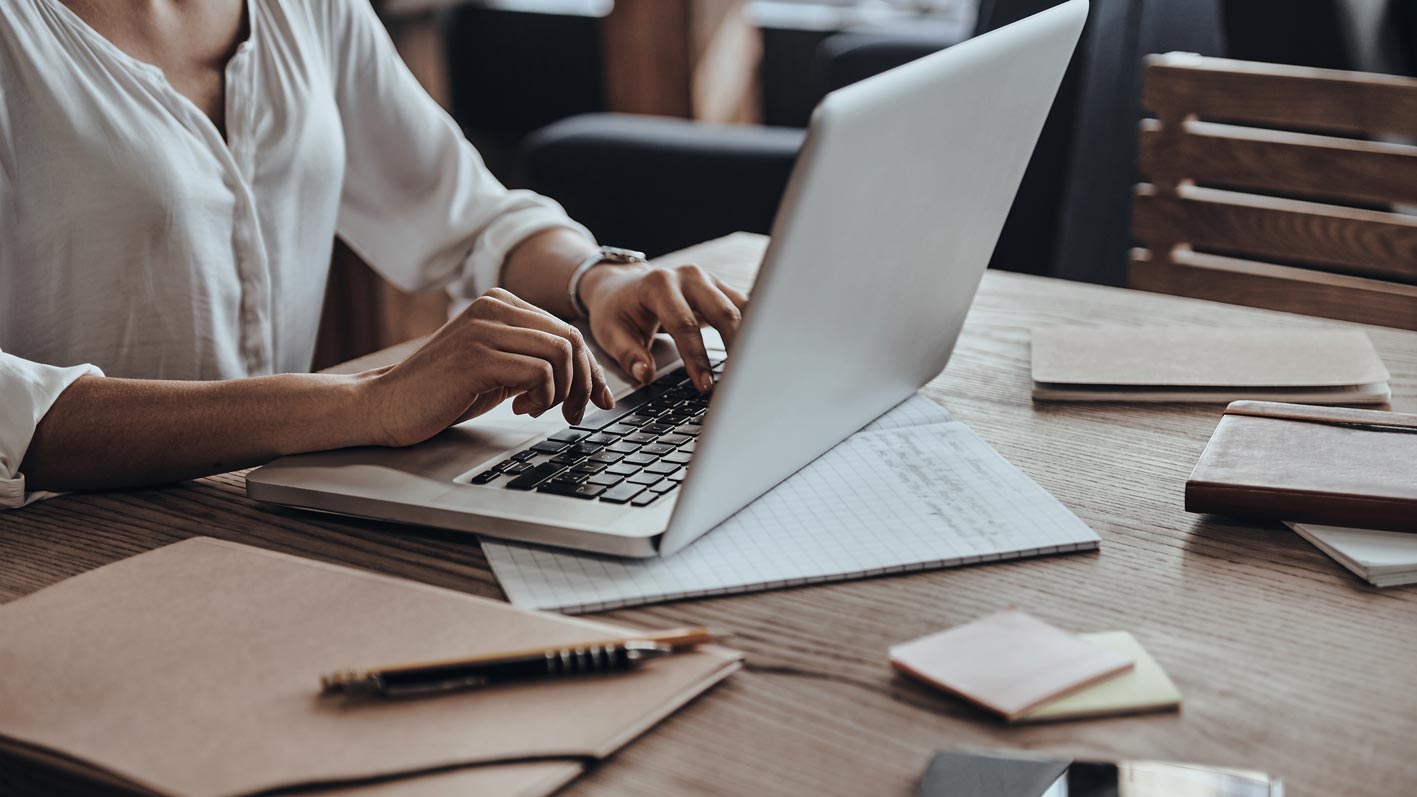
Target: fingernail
[[606, 397], [640, 370], [705, 383]]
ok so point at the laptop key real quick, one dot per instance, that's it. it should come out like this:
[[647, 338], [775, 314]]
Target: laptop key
[[662, 468], [549, 447], [535, 476], [690, 429], [674, 439], [600, 439], [569, 477], [678, 476], [641, 459], [606, 457], [656, 449], [622, 448], [645, 478], [679, 458], [622, 493], [640, 438], [664, 486], [568, 436], [656, 428], [620, 429], [582, 450], [645, 498], [588, 467], [568, 460], [571, 490], [622, 469], [522, 456], [516, 468], [605, 479], [485, 477]]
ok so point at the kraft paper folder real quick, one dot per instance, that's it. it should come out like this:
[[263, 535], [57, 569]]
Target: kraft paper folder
[[1207, 365], [194, 670]]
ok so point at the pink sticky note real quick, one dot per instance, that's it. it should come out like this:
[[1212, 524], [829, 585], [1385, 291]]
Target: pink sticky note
[[1007, 662]]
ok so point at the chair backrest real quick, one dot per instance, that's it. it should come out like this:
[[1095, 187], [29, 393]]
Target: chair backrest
[[1279, 187]]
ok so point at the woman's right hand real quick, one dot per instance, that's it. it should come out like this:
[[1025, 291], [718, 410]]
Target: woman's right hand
[[500, 347]]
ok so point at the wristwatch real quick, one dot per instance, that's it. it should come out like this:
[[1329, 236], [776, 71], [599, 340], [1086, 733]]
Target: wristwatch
[[606, 254]]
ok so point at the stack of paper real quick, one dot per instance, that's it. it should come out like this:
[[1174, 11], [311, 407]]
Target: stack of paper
[[1382, 558], [1025, 670], [1206, 364]]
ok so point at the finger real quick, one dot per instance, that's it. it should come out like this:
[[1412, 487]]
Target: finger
[[524, 313], [678, 319], [586, 381], [600, 389], [555, 350], [739, 298], [627, 344], [712, 304], [531, 377]]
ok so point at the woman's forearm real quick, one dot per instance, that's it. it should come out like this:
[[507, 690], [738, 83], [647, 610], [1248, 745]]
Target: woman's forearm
[[107, 433], [539, 268]]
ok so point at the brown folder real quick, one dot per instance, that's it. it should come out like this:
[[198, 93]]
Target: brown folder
[[194, 670], [1334, 466]]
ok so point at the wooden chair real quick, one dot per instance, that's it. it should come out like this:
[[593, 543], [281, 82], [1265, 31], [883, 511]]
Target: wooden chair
[[1272, 186]]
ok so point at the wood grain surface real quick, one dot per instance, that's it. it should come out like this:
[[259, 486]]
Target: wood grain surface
[[1287, 663]]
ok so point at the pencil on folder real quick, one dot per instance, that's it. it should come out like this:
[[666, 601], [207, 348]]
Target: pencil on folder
[[444, 675]]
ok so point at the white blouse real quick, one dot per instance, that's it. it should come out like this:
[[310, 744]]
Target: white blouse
[[136, 240]]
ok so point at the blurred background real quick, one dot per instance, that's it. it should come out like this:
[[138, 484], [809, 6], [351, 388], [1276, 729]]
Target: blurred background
[[663, 123]]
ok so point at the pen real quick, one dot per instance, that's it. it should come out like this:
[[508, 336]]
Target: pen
[[612, 655]]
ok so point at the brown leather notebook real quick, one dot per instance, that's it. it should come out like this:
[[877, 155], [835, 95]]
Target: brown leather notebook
[[1328, 465]]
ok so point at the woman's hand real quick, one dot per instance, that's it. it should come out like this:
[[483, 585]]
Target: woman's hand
[[500, 347], [628, 304]]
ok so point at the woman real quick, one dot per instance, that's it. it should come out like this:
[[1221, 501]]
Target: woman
[[172, 175]]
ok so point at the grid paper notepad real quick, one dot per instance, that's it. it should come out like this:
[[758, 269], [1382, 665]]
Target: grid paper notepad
[[913, 491]]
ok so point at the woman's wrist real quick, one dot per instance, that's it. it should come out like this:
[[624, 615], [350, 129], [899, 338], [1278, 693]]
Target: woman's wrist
[[605, 276]]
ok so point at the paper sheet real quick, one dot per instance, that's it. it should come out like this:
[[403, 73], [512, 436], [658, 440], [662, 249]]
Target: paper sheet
[[912, 491]]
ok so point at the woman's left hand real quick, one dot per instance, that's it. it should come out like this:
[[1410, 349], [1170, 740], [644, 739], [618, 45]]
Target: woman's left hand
[[629, 304]]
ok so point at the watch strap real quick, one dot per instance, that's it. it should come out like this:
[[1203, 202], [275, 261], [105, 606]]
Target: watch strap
[[605, 254]]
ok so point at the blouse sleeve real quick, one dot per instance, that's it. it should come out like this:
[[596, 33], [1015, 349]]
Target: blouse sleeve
[[27, 391], [418, 204]]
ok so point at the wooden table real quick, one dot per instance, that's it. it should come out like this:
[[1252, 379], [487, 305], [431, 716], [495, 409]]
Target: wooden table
[[1287, 662]]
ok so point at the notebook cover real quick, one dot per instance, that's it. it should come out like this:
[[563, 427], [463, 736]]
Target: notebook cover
[[1204, 357], [1008, 662], [194, 670], [1146, 687], [1325, 465]]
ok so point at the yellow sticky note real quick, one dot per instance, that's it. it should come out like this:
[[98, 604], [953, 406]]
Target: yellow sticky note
[[1145, 687]]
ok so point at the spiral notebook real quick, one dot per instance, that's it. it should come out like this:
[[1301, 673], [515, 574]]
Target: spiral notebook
[[915, 490]]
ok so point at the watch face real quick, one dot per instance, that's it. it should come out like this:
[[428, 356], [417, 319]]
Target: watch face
[[619, 255]]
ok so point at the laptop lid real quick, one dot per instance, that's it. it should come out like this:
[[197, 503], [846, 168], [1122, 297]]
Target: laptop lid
[[888, 222]]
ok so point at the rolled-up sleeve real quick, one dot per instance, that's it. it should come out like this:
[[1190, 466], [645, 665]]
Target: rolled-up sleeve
[[27, 391], [418, 202]]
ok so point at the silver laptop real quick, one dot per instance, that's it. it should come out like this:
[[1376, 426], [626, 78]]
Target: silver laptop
[[888, 222]]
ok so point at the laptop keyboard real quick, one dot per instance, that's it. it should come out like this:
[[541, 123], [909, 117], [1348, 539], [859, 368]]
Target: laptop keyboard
[[632, 454]]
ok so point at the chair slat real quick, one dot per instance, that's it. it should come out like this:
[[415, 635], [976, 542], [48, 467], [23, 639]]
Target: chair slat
[[1296, 290], [1295, 164], [1288, 97], [1371, 243]]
